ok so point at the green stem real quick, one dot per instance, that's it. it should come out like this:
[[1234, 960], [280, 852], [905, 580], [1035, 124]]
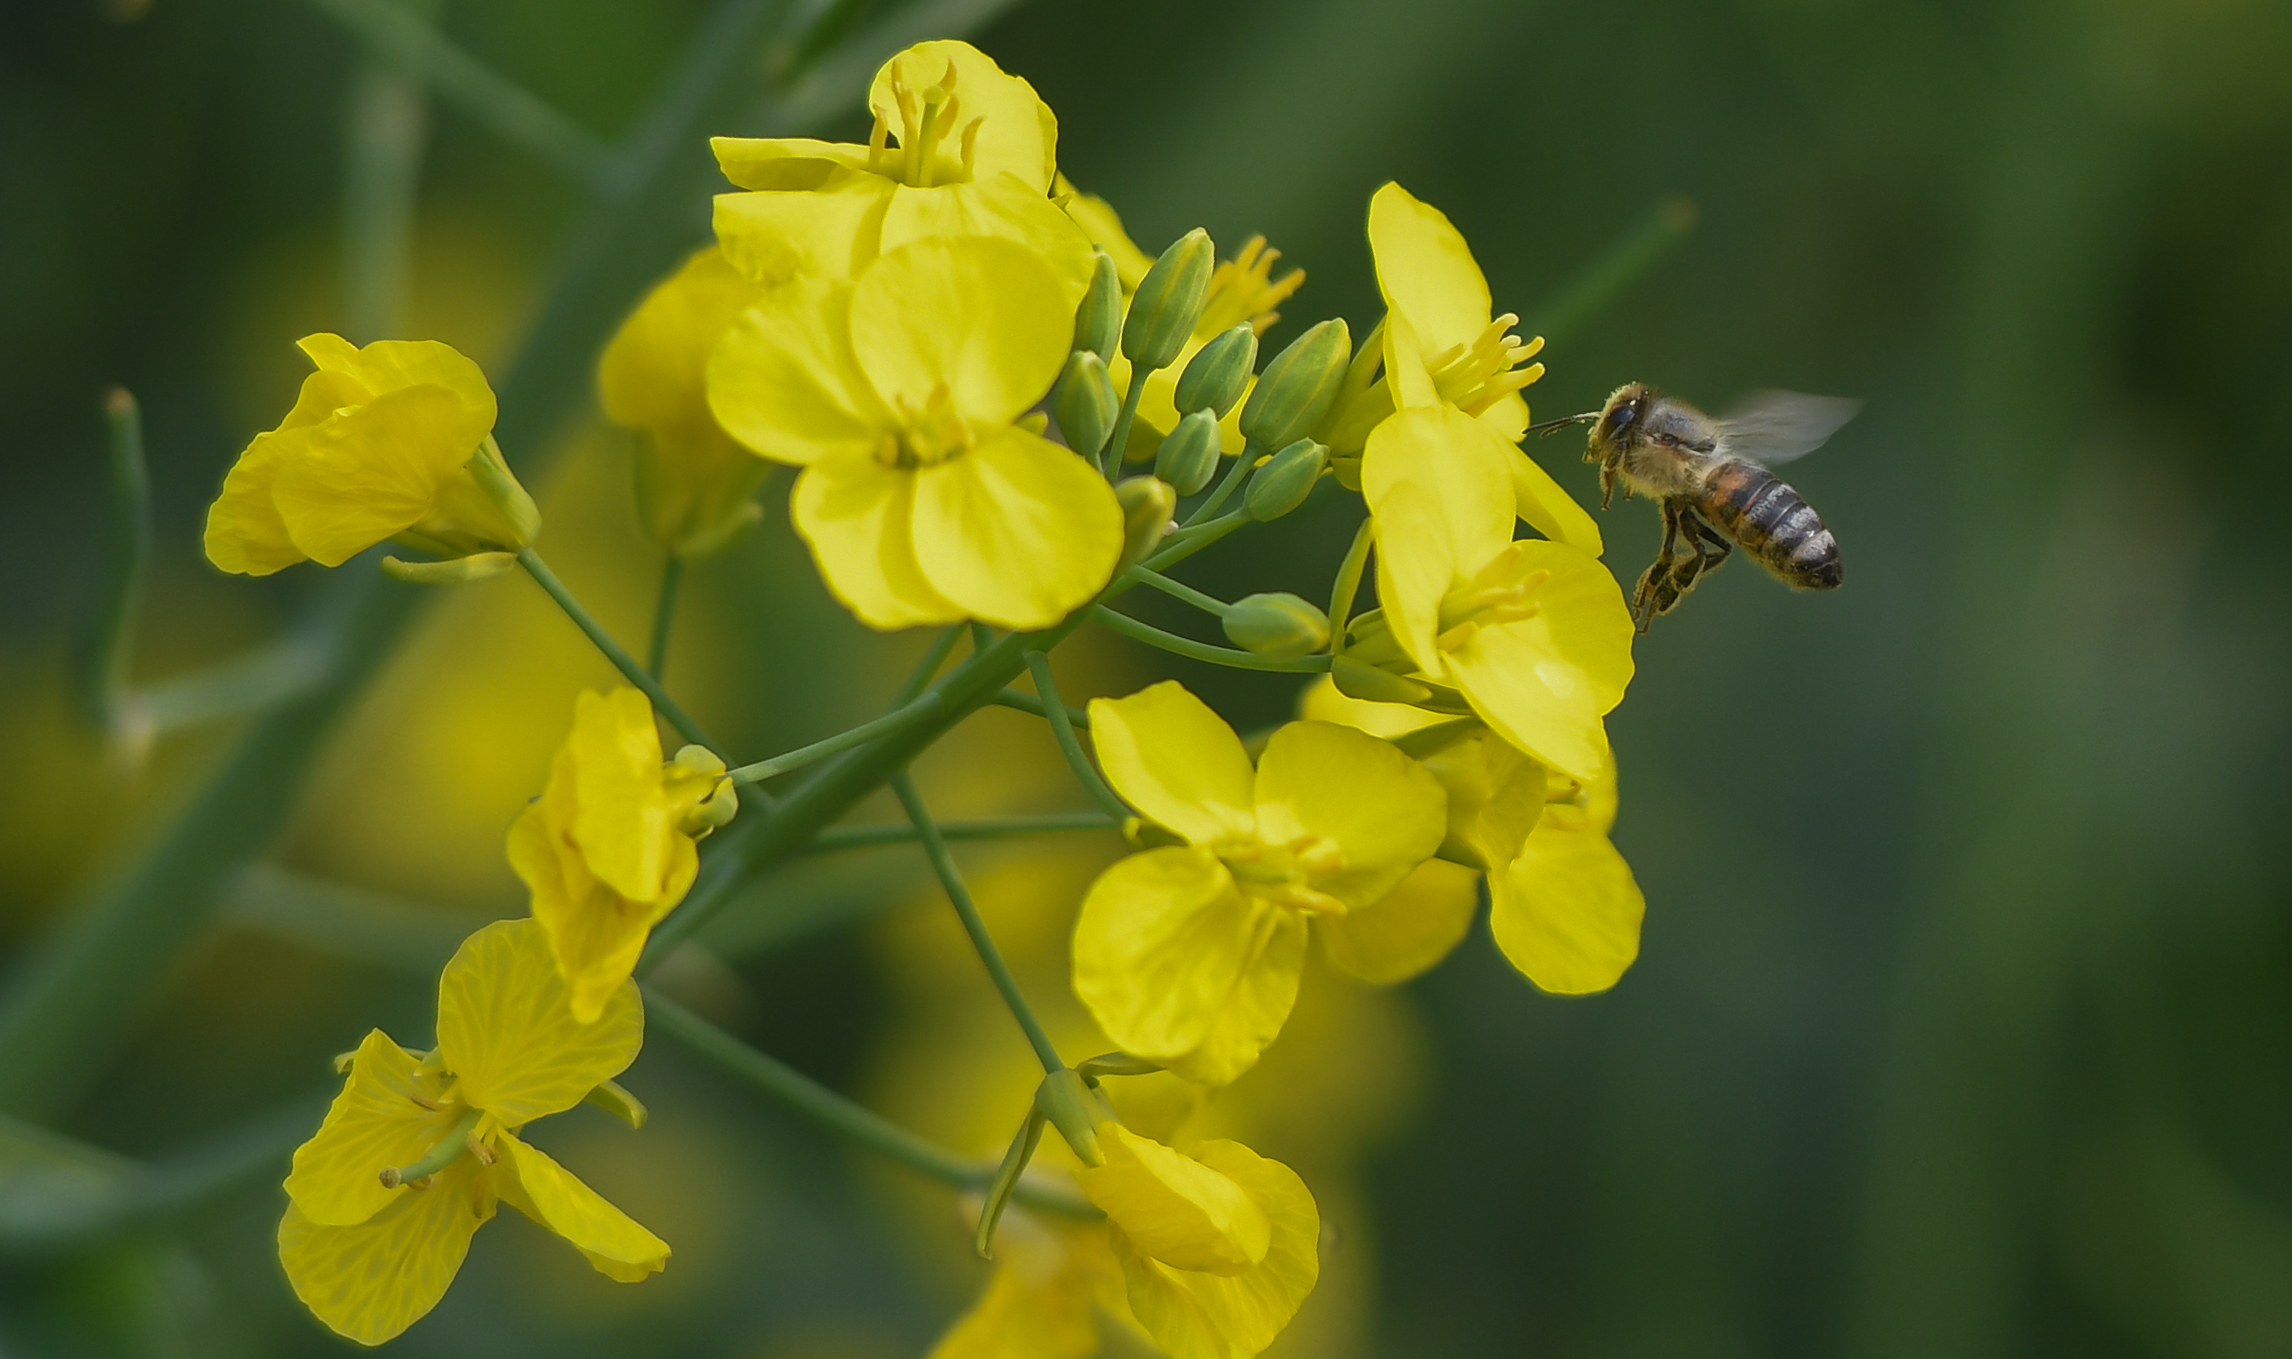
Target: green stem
[[1217, 608], [836, 1113], [1024, 702], [943, 863], [863, 837], [454, 1147], [106, 692], [1202, 651], [1110, 458], [1192, 539], [1343, 590], [613, 651], [919, 710], [1234, 477], [1054, 709], [664, 614], [982, 637], [928, 668]]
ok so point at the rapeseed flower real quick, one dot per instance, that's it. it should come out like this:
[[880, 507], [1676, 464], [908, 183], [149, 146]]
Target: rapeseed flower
[[923, 497], [1052, 1279], [1189, 953], [389, 441], [959, 148], [417, 1150], [1566, 911], [696, 484], [1532, 634], [608, 847]]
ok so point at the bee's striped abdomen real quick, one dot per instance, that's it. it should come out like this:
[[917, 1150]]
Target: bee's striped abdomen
[[1761, 512]]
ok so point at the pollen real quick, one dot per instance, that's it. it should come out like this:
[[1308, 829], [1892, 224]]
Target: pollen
[[1472, 377]]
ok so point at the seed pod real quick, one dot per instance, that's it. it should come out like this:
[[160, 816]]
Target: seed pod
[[1278, 625], [1147, 504], [1169, 300], [1098, 321], [1215, 378], [1188, 457], [1084, 403], [1296, 389], [1282, 484]]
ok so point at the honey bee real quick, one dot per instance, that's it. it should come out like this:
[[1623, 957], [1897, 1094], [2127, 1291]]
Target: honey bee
[[1712, 477]]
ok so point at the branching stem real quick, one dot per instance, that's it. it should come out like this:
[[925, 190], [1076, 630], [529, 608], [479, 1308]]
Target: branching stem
[[1054, 710]]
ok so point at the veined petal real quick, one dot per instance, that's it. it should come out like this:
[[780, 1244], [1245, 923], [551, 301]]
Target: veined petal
[[653, 374], [327, 390], [1172, 1207], [1103, 225], [1495, 796], [375, 470], [1322, 702], [1385, 812], [784, 163], [1568, 912], [1425, 269], [595, 933], [391, 365], [1017, 531], [371, 1281], [974, 318], [506, 1027], [1017, 132], [784, 382], [245, 534], [1506, 417], [1406, 373], [1176, 761], [858, 516], [390, 1113], [827, 232], [1544, 683], [1257, 1007], [1211, 1316], [551, 1195], [1162, 941], [1415, 926], [1024, 1314], [996, 207], [1415, 565], [621, 816], [1541, 503], [1442, 450]]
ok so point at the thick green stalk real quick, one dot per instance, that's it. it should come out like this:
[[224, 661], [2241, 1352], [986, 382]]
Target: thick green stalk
[[919, 710], [1019, 700]]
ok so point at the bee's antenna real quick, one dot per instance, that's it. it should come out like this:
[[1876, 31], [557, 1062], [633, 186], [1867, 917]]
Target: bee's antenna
[[1545, 427]]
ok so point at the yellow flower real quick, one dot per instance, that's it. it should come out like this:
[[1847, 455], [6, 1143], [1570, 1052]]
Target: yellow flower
[[1533, 635], [1188, 954], [1567, 910], [370, 1250], [389, 441], [923, 499], [696, 485], [1218, 1247], [607, 849], [1050, 1280], [976, 153]]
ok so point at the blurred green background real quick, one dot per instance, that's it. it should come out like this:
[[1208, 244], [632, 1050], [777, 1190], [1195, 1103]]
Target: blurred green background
[[1963, 1023]]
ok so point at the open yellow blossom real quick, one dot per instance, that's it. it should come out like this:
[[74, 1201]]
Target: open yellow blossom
[[416, 1150], [1052, 1280], [922, 497], [1189, 954], [959, 149], [696, 485], [390, 441], [608, 847], [1532, 634], [1218, 1246], [1567, 910]]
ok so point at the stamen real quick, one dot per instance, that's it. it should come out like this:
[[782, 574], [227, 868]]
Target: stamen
[[971, 144], [444, 1154], [878, 143]]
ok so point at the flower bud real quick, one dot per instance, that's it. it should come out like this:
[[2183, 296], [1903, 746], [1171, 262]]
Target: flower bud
[[1169, 298], [1371, 685], [1278, 625], [1296, 389], [1147, 504], [1188, 457], [1073, 1109], [1098, 321], [1084, 403], [1216, 377], [1283, 483], [451, 571], [491, 472]]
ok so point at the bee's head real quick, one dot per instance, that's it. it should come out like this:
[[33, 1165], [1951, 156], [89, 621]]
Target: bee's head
[[1621, 419]]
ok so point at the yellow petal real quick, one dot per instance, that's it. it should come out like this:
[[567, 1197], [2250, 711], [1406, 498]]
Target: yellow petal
[[996, 207], [784, 382], [1384, 811], [545, 1191], [1540, 502], [1567, 913], [1211, 1316], [1163, 941], [595, 933], [824, 233], [1414, 927], [375, 470], [1544, 683], [1255, 1010], [1016, 132], [653, 374], [1176, 761], [1023, 1315], [1506, 418], [1173, 1208], [392, 365], [245, 534], [1496, 796], [506, 1027], [784, 163], [1406, 375], [977, 319], [1017, 531], [1425, 270], [390, 1113], [621, 819], [1323, 703], [371, 1281], [1103, 225], [858, 516]]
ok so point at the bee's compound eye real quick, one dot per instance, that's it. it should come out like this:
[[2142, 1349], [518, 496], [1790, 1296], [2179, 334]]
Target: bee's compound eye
[[1622, 416]]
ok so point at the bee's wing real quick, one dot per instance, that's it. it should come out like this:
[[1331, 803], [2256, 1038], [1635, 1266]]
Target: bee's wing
[[1775, 427]]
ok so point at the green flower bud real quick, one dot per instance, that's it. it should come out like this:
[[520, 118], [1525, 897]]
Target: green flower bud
[[1147, 504], [1282, 484], [1371, 685], [1280, 626], [1084, 403], [1098, 321], [1296, 389], [1370, 640], [1216, 377], [1188, 457], [1168, 300], [1072, 1108]]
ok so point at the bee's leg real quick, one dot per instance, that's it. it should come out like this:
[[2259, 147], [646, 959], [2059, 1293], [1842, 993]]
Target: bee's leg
[[1656, 592], [1709, 546], [1608, 481]]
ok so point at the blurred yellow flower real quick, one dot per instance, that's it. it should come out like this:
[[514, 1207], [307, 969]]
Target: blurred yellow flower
[[976, 151], [1051, 1279], [923, 499], [389, 441], [1188, 954], [416, 1151], [696, 485], [1567, 910], [1533, 634], [608, 847], [1218, 1246]]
